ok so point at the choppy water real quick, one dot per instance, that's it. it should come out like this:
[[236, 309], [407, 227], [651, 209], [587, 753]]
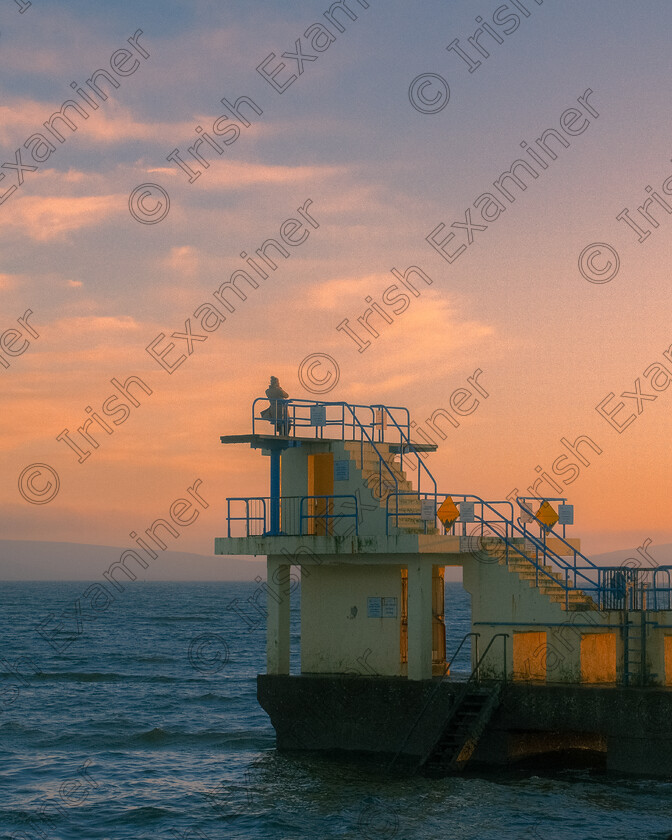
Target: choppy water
[[147, 726]]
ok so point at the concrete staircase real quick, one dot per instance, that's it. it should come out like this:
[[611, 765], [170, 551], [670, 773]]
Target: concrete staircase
[[548, 584], [380, 482]]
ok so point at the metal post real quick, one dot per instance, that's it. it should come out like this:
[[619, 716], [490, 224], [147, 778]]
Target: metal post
[[644, 675], [506, 674], [275, 491]]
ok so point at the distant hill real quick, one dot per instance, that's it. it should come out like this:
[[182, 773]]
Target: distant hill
[[32, 560], [662, 555]]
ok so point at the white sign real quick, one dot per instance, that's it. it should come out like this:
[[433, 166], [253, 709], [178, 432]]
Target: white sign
[[467, 512], [565, 514], [374, 608], [341, 470], [427, 510], [389, 607], [525, 514], [318, 415]]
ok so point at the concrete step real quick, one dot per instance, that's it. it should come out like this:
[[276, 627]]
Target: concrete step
[[542, 577], [518, 565], [406, 504], [373, 478], [372, 469], [559, 595]]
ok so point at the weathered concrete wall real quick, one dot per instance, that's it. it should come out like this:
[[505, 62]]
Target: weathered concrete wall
[[374, 715], [378, 715], [335, 628]]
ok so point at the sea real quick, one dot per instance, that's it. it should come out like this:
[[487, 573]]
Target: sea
[[138, 718]]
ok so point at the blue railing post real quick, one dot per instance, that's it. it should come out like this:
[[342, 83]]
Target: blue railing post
[[274, 530]]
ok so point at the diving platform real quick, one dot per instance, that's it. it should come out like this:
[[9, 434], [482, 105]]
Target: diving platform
[[354, 517]]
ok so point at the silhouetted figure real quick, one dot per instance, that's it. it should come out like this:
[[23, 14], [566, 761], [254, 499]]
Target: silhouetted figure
[[277, 410]]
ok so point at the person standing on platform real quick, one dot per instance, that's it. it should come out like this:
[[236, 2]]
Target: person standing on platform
[[277, 411]]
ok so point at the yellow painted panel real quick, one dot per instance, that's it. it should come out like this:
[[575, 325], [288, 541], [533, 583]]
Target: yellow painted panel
[[438, 617], [598, 657], [320, 483], [668, 660], [529, 655]]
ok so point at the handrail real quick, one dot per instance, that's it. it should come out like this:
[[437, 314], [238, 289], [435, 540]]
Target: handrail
[[326, 516], [521, 499], [459, 648], [475, 674], [476, 671], [462, 496], [446, 671], [361, 430], [407, 438], [666, 570], [247, 518], [557, 536], [511, 530], [381, 460], [547, 553], [292, 513], [564, 564], [301, 422]]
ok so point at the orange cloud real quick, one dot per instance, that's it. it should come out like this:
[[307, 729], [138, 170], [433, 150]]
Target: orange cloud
[[51, 217]]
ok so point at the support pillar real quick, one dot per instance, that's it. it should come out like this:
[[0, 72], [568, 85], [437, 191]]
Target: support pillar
[[276, 454], [420, 621], [277, 626]]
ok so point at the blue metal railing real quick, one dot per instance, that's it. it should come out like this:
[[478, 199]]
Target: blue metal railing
[[610, 587], [326, 515], [295, 518], [525, 502], [317, 418], [496, 516], [247, 518], [546, 532], [405, 440], [322, 420]]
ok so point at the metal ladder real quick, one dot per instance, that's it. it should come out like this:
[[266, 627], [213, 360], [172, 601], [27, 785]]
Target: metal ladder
[[461, 734], [634, 648]]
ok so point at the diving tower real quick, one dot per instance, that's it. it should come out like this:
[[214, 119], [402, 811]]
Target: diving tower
[[565, 654]]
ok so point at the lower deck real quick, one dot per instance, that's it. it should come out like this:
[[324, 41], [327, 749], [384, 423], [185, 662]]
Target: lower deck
[[398, 720]]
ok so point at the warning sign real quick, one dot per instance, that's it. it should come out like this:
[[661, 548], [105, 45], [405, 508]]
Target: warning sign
[[546, 515], [448, 512]]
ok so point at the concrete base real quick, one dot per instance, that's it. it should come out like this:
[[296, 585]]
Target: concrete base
[[383, 716]]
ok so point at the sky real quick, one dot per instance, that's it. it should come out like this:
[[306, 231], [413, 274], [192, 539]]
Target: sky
[[378, 140]]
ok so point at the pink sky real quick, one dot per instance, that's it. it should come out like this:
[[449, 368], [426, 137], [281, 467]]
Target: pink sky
[[379, 176]]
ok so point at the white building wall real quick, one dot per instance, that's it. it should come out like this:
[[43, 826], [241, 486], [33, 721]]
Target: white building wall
[[337, 636]]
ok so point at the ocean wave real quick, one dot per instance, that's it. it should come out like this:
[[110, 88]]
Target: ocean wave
[[145, 814], [101, 677]]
